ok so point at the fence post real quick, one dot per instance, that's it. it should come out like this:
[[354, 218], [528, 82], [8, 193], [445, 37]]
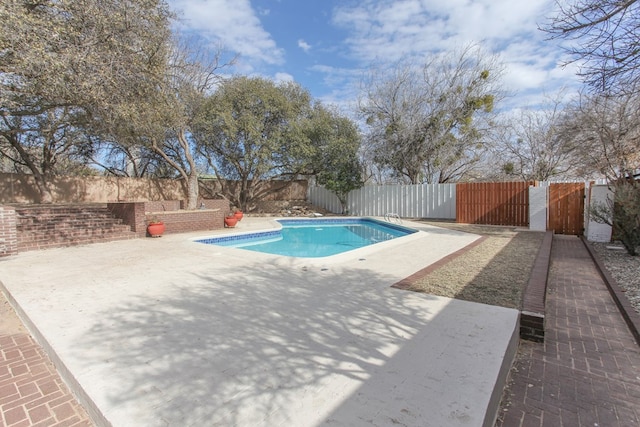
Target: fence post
[[598, 232], [538, 198]]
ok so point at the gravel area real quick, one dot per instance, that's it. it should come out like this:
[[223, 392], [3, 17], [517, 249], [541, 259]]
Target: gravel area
[[495, 272], [624, 268]]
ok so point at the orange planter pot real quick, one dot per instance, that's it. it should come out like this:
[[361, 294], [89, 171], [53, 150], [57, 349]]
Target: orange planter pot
[[230, 221], [239, 215], [156, 229]]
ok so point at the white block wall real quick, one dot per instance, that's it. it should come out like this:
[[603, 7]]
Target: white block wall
[[597, 232], [538, 208]]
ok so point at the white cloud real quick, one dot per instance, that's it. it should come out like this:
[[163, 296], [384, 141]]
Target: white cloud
[[304, 45], [233, 23], [388, 30], [283, 77]]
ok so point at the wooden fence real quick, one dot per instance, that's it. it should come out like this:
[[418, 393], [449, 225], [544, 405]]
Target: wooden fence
[[566, 208], [496, 203]]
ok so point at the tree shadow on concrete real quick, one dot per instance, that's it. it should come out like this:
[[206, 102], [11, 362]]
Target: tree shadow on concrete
[[247, 351], [293, 347]]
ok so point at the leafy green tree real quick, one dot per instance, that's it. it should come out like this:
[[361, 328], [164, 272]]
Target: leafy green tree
[[335, 141], [152, 134], [64, 64], [192, 74], [250, 131]]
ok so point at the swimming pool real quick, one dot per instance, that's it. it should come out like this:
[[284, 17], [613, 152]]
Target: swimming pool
[[314, 238]]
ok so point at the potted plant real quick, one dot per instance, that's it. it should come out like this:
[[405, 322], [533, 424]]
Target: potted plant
[[155, 227], [230, 220], [238, 214]]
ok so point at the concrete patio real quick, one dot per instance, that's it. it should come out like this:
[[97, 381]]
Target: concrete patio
[[170, 332]]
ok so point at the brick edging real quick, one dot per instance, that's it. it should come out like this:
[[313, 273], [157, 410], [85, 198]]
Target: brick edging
[[534, 296], [631, 317], [95, 414], [408, 282]]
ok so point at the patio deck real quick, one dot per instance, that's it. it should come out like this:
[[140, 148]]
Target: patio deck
[[171, 332]]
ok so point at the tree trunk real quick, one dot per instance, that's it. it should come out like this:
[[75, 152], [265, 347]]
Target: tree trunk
[[40, 178], [192, 191], [45, 194]]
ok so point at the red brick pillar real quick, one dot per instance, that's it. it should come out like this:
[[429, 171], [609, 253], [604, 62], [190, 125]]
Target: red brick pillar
[[8, 231]]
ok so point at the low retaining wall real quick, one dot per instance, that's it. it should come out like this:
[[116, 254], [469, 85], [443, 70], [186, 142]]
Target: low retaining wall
[[534, 297], [138, 214]]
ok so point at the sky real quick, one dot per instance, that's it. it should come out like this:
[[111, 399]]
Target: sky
[[328, 45]]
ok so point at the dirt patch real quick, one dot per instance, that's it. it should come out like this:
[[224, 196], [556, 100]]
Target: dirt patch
[[9, 322], [494, 272]]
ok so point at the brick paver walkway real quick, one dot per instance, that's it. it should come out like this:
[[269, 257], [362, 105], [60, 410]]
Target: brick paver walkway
[[31, 391], [587, 371]]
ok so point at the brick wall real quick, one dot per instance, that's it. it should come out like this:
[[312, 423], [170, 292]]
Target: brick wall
[[138, 215], [163, 205], [8, 233], [132, 214], [186, 221], [534, 296]]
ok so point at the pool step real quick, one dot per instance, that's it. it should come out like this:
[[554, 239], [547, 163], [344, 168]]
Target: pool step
[[392, 217]]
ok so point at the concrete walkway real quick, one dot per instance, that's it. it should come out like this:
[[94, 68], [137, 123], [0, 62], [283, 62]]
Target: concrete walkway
[[587, 371], [156, 332]]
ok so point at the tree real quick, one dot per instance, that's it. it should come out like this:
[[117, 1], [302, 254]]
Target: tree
[[249, 131], [64, 64], [605, 129], [47, 143], [531, 145], [605, 36], [153, 133], [193, 74], [334, 141], [622, 212], [428, 123]]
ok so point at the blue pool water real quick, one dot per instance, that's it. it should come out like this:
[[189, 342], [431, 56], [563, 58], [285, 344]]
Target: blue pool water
[[314, 238]]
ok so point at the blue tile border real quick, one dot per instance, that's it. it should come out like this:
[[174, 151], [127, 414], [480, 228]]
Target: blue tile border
[[320, 221], [293, 222], [240, 237]]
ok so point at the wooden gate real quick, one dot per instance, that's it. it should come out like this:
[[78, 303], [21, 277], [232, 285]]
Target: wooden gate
[[566, 208], [495, 203]]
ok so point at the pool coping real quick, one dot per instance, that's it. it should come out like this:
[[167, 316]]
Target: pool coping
[[359, 253], [281, 223]]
